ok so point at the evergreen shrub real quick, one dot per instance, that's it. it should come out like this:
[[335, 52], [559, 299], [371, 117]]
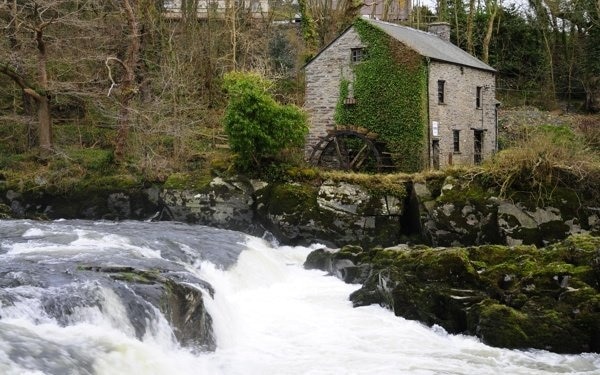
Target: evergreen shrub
[[258, 127]]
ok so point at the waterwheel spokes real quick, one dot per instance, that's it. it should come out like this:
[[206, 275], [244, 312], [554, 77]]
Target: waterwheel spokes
[[342, 158], [360, 158], [349, 149]]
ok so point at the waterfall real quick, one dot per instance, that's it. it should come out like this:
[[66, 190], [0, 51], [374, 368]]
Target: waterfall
[[269, 315]]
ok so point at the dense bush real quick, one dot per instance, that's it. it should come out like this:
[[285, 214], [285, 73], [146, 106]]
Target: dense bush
[[258, 127]]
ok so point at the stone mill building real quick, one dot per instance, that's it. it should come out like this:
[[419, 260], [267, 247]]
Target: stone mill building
[[431, 103]]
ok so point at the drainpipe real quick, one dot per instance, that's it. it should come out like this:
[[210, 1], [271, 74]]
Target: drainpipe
[[428, 119], [496, 124]]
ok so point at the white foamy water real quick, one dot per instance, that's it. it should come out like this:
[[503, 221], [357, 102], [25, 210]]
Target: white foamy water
[[270, 316]]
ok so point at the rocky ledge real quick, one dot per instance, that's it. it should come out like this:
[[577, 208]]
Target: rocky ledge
[[442, 209], [145, 289], [508, 296]]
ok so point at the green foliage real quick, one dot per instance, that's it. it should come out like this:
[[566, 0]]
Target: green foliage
[[390, 88], [258, 127], [559, 135], [92, 159]]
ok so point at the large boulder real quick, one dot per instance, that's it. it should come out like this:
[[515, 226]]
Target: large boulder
[[64, 289], [222, 203], [508, 296], [334, 213], [465, 211]]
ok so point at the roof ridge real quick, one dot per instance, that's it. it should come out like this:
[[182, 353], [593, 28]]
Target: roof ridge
[[430, 45]]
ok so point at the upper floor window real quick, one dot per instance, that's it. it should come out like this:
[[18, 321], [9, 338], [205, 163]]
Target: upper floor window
[[441, 92], [357, 54], [478, 97], [456, 140]]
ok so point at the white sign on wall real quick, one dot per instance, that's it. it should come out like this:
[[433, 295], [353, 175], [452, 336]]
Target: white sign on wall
[[435, 128]]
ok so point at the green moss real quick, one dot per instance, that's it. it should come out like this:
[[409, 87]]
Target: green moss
[[460, 194], [92, 159], [177, 181], [182, 181], [117, 182], [290, 198], [303, 174], [579, 249], [5, 211], [135, 277], [500, 325]]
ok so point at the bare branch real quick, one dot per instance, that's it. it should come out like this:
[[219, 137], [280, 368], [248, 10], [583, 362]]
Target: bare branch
[[106, 63]]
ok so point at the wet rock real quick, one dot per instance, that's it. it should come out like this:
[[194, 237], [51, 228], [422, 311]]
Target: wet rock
[[174, 295], [66, 290], [509, 296], [222, 203], [333, 213], [5, 211]]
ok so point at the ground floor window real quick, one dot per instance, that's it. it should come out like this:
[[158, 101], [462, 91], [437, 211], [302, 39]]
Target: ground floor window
[[456, 140]]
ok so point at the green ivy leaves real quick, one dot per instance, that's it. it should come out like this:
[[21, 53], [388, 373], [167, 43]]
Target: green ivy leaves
[[390, 88]]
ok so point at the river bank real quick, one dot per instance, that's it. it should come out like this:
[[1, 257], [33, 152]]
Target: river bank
[[452, 208]]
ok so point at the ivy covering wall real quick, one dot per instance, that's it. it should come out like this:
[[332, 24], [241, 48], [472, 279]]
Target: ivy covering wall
[[390, 88]]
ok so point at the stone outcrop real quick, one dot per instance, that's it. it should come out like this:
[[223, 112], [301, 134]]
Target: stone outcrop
[[222, 203], [174, 295], [456, 212], [513, 297], [442, 210], [142, 291], [331, 213]]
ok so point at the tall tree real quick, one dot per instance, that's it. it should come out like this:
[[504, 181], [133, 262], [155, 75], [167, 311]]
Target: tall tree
[[491, 9], [127, 87], [34, 17]]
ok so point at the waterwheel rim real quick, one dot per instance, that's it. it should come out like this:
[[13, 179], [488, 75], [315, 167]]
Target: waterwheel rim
[[347, 150]]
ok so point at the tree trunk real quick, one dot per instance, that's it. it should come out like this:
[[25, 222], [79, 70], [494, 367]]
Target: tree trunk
[[492, 10], [128, 86], [470, 20], [45, 123], [43, 105]]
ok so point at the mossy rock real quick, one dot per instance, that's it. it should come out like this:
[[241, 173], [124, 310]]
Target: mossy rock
[[513, 297], [498, 325], [319, 259], [293, 199], [5, 211], [187, 181]]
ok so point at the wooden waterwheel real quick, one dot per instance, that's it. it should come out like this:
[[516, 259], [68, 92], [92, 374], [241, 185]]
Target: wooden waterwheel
[[351, 149]]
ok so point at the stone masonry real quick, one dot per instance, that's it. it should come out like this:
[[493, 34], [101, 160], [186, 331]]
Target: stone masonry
[[460, 113], [460, 118], [323, 77]]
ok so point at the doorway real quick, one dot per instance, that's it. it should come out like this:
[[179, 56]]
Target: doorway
[[435, 150]]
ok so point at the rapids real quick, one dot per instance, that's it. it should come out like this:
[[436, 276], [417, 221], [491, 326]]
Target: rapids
[[269, 315]]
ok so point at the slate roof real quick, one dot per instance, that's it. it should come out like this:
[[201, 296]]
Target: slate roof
[[430, 45]]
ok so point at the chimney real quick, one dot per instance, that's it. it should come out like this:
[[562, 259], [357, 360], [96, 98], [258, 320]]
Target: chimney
[[441, 29]]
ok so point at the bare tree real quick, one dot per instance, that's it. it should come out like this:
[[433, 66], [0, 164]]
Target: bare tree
[[34, 17], [491, 8], [127, 86]]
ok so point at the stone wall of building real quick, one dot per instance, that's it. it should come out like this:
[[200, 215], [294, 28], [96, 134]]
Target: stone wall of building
[[215, 8], [459, 112], [323, 77]]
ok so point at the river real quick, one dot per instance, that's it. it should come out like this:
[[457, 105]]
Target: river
[[269, 315]]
